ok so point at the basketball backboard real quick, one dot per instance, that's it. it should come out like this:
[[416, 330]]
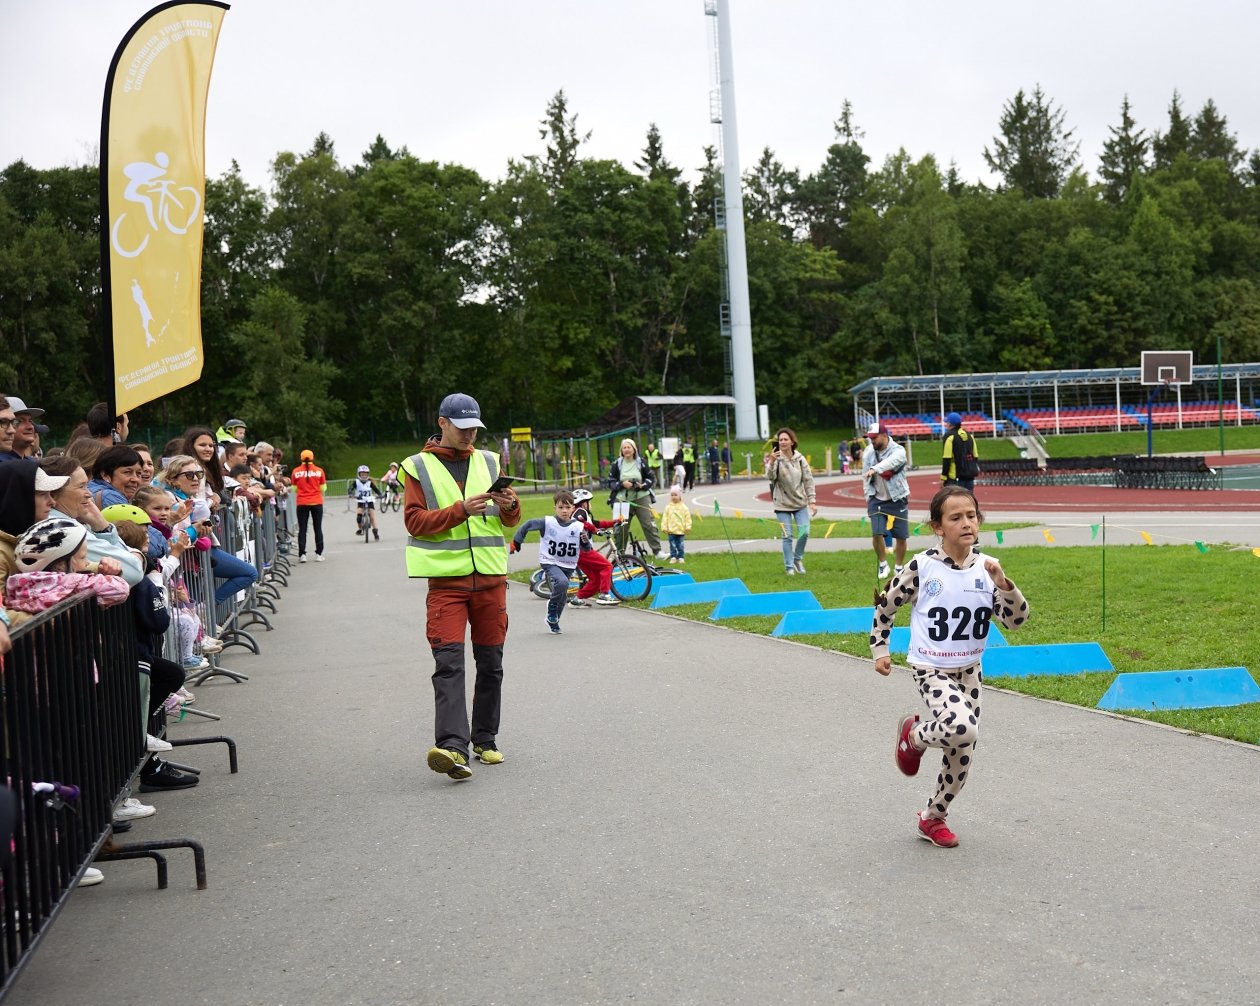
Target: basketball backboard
[[1168, 367]]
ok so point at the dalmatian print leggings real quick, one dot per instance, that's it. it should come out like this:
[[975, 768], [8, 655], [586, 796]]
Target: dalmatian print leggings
[[953, 696]]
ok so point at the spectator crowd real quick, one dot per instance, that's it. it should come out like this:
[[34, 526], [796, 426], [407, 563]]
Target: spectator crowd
[[118, 519]]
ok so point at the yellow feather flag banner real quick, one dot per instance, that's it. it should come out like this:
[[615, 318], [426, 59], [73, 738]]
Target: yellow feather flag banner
[[1146, 537], [153, 186], [1048, 536]]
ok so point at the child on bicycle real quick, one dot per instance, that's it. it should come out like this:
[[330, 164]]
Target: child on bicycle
[[364, 490], [593, 563], [676, 522], [558, 548], [389, 481]]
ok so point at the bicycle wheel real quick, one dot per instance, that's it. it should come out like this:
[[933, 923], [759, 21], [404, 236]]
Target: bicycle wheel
[[367, 525], [540, 585], [631, 579], [396, 501]]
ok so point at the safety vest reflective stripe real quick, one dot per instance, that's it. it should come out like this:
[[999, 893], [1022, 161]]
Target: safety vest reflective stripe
[[476, 544], [456, 543]]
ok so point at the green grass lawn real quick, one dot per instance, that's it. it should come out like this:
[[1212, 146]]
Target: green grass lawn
[[1166, 608]]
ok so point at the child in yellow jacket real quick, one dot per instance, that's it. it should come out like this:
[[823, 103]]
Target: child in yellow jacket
[[676, 522]]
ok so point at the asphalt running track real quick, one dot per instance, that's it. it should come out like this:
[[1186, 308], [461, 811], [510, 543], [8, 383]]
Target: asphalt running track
[[1065, 499]]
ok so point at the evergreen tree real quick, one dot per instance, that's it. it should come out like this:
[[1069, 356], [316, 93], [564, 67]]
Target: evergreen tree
[[654, 165], [563, 140], [1210, 138], [825, 201], [1034, 153], [768, 192], [1123, 156], [1166, 146]]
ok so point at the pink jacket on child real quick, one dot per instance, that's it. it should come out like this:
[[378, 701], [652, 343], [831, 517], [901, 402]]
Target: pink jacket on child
[[35, 592]]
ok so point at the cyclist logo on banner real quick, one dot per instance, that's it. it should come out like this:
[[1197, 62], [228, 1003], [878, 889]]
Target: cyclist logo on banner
[[167, 206]]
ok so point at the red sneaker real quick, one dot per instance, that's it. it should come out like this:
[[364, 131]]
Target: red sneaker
[[936, 831], [906, 754]]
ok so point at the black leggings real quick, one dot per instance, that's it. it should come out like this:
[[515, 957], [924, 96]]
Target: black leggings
[[315, 512]]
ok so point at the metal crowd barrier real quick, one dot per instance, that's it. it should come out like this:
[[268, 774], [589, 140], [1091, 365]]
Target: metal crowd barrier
[[261, 540], [73, 744]]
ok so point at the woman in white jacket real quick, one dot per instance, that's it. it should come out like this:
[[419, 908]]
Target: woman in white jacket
[[792, 490]]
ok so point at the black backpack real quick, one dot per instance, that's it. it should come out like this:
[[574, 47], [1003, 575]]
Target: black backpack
[[965, 456]]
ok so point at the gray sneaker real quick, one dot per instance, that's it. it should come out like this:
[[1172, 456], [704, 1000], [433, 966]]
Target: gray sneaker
[[800, 567]]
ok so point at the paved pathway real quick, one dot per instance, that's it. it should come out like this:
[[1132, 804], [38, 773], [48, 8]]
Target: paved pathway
[[722, 826]]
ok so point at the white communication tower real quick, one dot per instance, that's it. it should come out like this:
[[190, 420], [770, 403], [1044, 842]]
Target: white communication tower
[[728, 217]]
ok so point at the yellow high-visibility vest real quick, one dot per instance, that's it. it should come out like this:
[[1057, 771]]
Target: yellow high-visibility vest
[[474, 546]]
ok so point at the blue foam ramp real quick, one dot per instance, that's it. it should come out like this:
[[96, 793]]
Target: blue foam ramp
[[1047, 659], [673, 579], [803, 623], [775, 603], [696, 593], [899, 641], [1202, 689]]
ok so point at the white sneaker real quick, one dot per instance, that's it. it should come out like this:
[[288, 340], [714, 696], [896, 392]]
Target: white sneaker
[[682, 562], [606, 599], [91, 877], [790, 571], [154, 744], [211, 645], [132, 809], [883, 570], [301, 558], [319, 558], [185, 696], [897, 570], [800, 567], [662, 554]]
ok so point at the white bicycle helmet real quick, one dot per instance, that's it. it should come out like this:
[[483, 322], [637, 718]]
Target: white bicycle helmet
[[581, 496], [364, 468], [47, 541]]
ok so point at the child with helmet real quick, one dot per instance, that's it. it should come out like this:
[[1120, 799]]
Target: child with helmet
[[593, 563], [51, 561], [364, 490]]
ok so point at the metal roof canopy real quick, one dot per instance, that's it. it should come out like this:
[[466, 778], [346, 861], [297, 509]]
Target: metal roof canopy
[[1036, 379], [650, 410]]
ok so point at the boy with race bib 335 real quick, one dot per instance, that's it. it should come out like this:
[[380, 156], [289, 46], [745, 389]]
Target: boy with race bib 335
[[955, 594], [558, 548]]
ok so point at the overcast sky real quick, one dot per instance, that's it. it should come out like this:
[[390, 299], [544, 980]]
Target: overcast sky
[[466, 81]]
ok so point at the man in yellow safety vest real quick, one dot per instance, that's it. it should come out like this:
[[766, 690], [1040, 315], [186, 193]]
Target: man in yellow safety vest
[[455, 526]]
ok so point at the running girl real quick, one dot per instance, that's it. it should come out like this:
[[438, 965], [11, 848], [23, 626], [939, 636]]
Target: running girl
[[954, 593]]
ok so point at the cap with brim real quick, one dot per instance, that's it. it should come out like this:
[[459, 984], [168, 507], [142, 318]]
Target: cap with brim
[[18, 406], [41, 429], [200, 511], [875, 429], [308, 455], [462, 410], [45, 483]]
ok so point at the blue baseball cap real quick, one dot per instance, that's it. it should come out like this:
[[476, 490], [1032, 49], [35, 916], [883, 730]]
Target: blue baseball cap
[[953, 419], [462, 410]]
